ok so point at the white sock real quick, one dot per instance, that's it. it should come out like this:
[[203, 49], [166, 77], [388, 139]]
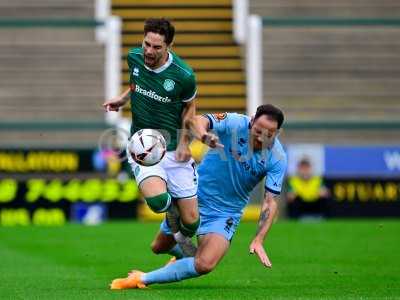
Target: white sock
[[179, 237]]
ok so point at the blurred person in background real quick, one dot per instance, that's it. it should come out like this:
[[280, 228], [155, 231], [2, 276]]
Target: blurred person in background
[[307, 194]]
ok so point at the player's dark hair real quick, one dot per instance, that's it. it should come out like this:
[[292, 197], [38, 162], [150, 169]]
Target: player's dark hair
[[270, 111], [162, 27]]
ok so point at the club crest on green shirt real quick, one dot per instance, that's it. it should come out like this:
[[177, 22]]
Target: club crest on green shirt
[[169, 85]]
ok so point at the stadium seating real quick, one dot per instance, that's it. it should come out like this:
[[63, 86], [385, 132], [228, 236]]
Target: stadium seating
[[46, 9], [203, 38], [323, 8], [49, 72], [332, 73]]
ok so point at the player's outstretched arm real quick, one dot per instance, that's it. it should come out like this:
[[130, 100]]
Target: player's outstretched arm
[[269, 208], [199, 126], [115, 103]]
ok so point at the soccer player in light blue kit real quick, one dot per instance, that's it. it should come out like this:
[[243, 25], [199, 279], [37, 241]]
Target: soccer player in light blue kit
[[243, 151]]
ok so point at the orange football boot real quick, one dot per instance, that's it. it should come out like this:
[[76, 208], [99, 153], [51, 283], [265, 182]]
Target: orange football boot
[[133, 281]]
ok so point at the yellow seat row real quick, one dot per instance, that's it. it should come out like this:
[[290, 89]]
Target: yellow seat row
[[171, 3]]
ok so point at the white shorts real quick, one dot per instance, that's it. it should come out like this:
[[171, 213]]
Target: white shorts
[[181, 177]]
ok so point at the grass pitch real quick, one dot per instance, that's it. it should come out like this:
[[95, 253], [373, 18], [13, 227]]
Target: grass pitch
[[328, 260]]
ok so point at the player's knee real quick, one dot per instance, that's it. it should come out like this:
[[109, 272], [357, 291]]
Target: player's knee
[[190, 216], [159, 203], [189, 229], [157, 248], [204, 265]]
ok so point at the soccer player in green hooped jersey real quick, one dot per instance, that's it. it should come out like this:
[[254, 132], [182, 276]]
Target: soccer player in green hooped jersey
[[162, 91]]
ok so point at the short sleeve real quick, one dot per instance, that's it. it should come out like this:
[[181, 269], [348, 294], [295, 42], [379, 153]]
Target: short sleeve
[[275, 176], [130, 60], [133, 67], [218, 121], [226, 122], [189, 88]]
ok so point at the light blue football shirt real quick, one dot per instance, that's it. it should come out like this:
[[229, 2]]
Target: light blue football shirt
[[228, 175]]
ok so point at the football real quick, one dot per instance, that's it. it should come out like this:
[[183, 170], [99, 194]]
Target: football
[[147, 147]]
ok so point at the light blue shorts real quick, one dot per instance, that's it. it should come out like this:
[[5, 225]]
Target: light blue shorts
[[223, 225]]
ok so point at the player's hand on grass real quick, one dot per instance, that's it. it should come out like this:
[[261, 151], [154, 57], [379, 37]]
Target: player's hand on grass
[[114, 104], [256, 247], [211, 140], [183, 153]]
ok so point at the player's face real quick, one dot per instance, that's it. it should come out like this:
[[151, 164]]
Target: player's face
[[263, 132], [155, 50]]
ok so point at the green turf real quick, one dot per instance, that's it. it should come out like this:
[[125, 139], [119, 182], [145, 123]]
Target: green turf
[[329, 260]]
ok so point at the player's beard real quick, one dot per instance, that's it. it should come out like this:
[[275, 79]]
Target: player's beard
[[151, 61], [263, 143]]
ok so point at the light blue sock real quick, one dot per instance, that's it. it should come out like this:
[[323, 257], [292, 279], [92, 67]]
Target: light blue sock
[[176, 251], [181, 269]]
